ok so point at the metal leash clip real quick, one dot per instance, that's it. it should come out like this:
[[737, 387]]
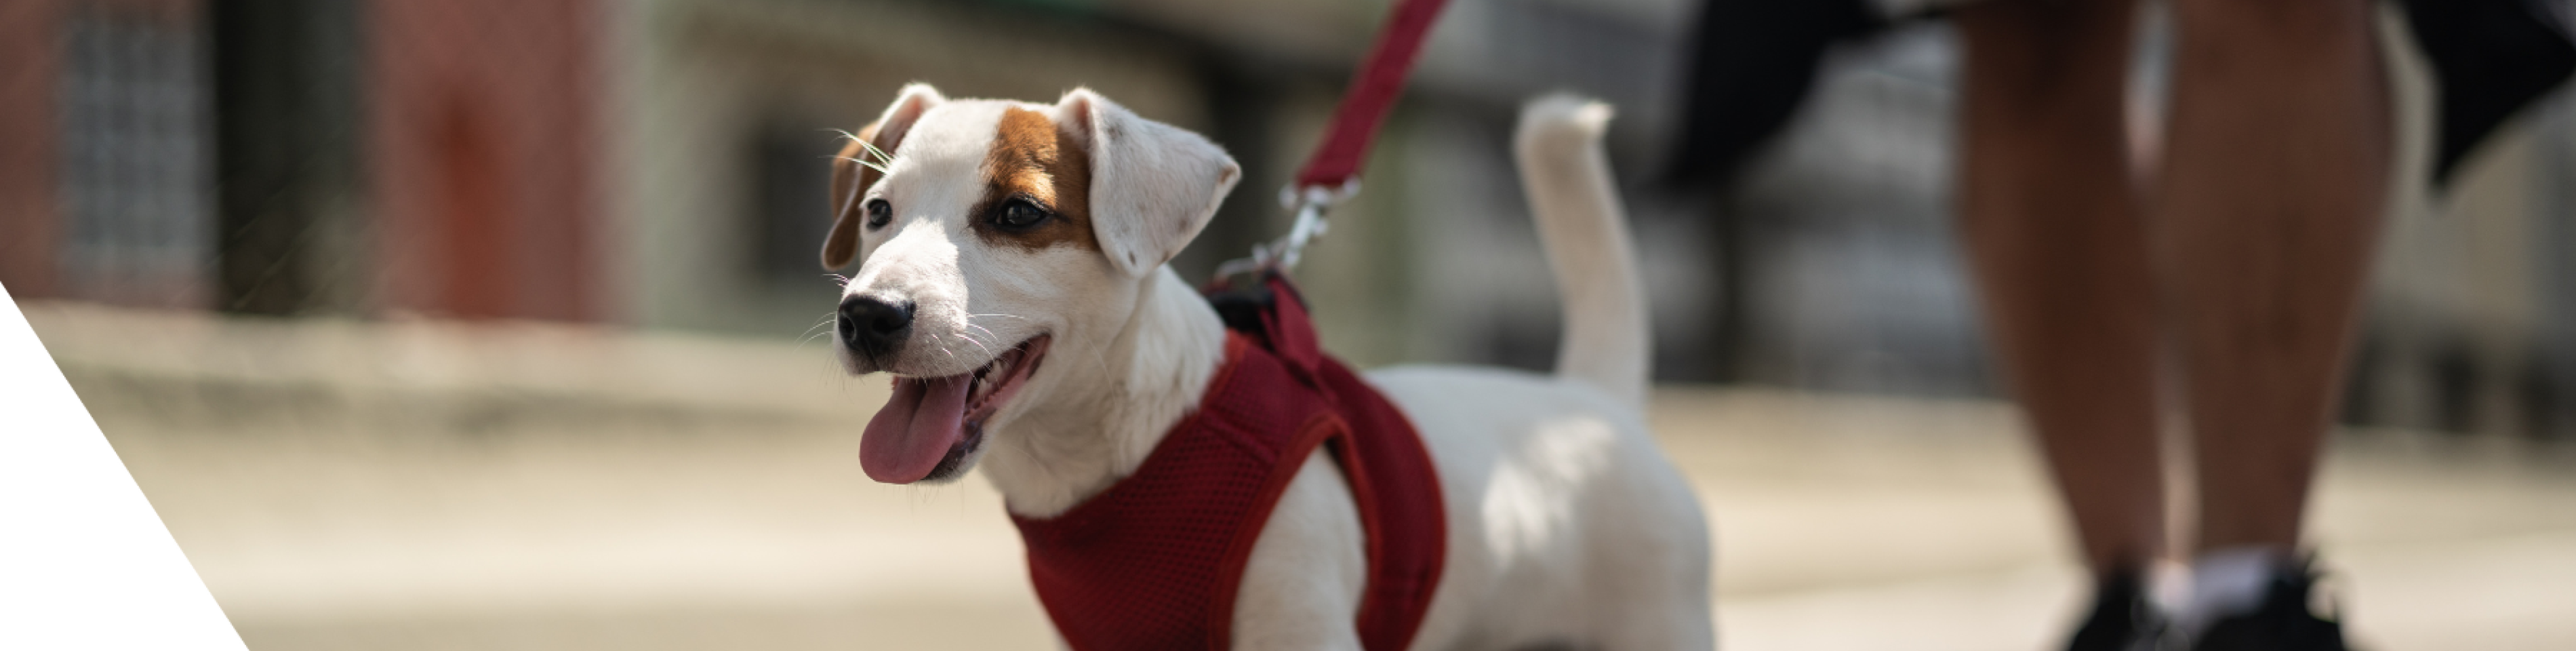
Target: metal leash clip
[[1310, 203]]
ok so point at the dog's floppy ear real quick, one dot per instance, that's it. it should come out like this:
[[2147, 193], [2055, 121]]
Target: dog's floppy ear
[[850, 180], [1153, 186]]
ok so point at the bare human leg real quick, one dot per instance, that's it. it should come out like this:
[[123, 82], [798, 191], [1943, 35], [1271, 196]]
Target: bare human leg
[[2061, 257], [2276, 166]]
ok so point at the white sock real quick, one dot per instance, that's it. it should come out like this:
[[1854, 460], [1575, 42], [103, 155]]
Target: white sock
[[2169, 587], [2230, 581]]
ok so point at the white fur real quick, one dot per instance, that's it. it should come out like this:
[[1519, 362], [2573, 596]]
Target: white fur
[[1585, 232], [1566, 524]]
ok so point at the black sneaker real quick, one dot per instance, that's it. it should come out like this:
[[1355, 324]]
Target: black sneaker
[[2282, 623], [2123, 618]]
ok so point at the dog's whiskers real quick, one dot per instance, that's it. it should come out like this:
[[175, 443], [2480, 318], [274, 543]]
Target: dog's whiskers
[[970, 337], [810, 335], [873, 151], [872, 165], [942, 348], [827, 319]]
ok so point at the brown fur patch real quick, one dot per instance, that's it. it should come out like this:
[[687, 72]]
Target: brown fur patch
[[1034, 160], [849, 180]]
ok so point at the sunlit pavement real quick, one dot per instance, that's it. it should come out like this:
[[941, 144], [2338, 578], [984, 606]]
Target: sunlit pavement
[[399, 485]]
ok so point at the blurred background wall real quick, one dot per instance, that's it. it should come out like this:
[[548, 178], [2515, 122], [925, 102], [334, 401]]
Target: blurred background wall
[[660, 164]]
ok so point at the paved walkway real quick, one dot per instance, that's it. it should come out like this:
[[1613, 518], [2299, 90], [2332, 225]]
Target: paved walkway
[[430, 486]]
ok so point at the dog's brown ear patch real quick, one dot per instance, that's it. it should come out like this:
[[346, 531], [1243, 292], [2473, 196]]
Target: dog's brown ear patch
[[849, 181], [1033, 160]]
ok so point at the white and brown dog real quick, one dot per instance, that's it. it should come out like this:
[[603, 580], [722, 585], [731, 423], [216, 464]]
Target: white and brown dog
[[1012, 279]]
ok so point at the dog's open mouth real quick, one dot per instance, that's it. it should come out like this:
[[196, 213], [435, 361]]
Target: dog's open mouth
[[932, 424]]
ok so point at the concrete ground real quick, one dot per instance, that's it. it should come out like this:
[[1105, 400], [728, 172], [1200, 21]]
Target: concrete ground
[[415, 485]]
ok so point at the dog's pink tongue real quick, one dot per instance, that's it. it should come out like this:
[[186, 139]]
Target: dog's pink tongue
[[907, 438]]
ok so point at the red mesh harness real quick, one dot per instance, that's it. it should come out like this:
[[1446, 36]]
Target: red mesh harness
[[1154, 561]]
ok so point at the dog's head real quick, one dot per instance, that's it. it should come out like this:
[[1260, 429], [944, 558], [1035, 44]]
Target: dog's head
[[989, 233]]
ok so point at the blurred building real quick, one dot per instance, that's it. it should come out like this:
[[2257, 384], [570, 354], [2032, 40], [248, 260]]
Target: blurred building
[[661, 164], [308, 156], [108, 174]]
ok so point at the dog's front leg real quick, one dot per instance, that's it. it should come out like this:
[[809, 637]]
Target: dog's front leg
[[1301, 587]]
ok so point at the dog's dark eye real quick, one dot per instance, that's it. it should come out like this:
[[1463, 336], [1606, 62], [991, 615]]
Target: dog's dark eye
[[1018, 214], [879, 212]]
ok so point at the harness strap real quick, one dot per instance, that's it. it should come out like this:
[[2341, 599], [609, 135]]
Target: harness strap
[[1383, 460]]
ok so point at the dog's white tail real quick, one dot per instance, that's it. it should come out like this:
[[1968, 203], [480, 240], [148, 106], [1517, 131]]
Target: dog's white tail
[[1585, 231]]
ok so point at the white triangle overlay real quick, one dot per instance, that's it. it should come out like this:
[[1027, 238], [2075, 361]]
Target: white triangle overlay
[[84, 561]]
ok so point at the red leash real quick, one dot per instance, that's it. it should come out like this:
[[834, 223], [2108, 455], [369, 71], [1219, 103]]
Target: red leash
[[1332, 174], [1374, 88]]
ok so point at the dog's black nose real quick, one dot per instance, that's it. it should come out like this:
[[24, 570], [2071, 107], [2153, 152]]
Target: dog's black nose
[[873, 327]]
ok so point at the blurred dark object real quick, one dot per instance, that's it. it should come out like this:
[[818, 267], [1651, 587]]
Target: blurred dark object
[[286, 120], [1751, 67], [2492, 58], [2124, 618], [1754, 61]]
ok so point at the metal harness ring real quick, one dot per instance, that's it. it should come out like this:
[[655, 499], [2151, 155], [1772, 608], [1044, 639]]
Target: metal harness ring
[[1310, 203]]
